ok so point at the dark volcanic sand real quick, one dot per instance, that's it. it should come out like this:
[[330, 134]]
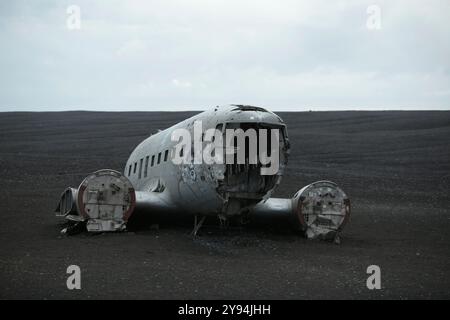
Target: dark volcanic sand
[[395, 166]]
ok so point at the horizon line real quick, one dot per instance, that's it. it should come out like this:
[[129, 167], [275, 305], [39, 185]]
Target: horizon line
[[201, 110], [195, 109]]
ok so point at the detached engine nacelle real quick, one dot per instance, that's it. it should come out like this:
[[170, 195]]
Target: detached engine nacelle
[[320, 209], [104, 201]]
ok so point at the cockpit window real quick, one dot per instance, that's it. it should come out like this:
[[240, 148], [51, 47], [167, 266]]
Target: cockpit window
[[248, 108]]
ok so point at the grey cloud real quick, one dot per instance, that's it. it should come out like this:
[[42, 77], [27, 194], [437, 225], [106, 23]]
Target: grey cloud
[[288, 55]]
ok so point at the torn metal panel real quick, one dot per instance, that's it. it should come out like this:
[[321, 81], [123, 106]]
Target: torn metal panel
[[243, 185]]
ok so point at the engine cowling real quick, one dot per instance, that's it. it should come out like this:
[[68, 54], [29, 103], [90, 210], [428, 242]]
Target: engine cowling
[[104, 200], [321, 208]]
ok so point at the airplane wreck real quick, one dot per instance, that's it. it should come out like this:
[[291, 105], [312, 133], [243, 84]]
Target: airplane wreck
[[208, 173]]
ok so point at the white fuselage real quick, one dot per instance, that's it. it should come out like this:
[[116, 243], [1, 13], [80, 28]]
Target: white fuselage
[[236, 186], [212, 187]]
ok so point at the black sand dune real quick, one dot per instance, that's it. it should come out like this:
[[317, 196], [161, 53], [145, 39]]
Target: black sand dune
[[395, 166]]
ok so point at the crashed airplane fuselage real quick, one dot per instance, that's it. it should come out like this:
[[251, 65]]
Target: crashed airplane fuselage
[[225, 162]]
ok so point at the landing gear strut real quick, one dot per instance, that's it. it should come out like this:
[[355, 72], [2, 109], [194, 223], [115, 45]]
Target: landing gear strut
[[197, 224]]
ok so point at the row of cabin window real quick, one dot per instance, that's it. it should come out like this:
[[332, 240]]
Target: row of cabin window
[[166, 155], [141, 161]]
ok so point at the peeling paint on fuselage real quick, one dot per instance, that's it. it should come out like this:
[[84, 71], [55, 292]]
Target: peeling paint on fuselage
[[201, 184]]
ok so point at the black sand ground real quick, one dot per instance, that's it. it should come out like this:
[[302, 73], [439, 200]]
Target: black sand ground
[[395, 166]]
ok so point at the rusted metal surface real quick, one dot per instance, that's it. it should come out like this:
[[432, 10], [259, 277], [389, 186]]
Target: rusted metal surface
[[104, 200], [322, 209]]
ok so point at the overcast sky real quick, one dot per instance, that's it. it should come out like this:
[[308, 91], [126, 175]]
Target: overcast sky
[[172, 55]]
